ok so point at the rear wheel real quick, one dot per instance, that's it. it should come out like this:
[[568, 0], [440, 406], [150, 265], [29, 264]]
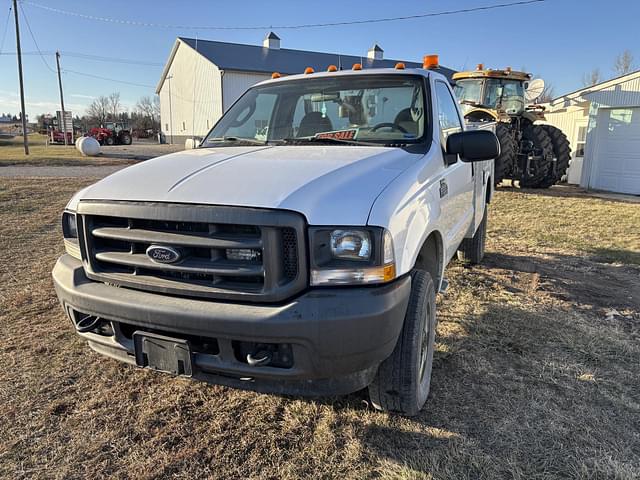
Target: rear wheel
[[503, 164], [125, 139], [403, 380], [471, 250], [536, 143], [561, 156]]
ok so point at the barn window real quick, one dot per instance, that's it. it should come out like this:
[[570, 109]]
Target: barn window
[[581, 140]]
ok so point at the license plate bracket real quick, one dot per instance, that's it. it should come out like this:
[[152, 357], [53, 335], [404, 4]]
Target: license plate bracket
[[163, 354]]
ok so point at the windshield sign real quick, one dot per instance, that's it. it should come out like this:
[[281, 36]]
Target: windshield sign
[[364, 110]]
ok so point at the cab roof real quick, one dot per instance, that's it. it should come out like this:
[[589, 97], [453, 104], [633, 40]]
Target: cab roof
[[368, 71], [489, 73]]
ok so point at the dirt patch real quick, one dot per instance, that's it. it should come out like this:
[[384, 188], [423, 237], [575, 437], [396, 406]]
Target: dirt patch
[[534, 376]]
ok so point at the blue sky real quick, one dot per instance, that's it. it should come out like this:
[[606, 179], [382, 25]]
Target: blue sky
[[558, 40]]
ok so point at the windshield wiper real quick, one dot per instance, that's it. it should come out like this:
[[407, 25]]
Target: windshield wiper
[[303, 140], [231, 139]]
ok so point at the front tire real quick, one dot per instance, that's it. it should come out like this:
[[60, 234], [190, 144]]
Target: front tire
[[403, 380], [471, 250], [109, 141]]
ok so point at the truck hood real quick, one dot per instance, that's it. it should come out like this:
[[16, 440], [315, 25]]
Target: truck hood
[[328, 184]]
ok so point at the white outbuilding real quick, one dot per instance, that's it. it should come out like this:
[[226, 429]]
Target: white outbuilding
[[203, 78], [602, 123]]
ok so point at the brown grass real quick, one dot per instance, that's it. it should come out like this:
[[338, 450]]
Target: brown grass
[[535, 376], [12, 153]]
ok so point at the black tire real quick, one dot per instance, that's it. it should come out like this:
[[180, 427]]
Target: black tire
[[543, 151], [109, 141], [125, 139], [503, 164], [402, 382], [561, 156], [471, 250]]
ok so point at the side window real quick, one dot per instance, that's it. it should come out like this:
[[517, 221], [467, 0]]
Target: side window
[[447, 112], [253, 121]]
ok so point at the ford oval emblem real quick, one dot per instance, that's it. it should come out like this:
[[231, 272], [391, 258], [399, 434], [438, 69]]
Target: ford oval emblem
[[162, 254]]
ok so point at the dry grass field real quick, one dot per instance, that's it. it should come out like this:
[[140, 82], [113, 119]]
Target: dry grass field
[[536, 375], [12, 153]]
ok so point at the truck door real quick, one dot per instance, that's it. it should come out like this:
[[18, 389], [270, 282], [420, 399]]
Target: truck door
[[457, 183]]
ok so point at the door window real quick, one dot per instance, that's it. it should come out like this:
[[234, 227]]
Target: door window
[[581, 140], [447, 111]]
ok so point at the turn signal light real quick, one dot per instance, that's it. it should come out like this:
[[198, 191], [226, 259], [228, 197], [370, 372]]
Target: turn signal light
[[332, 68], [275, 75], [399, 66], [357, 66], [308, 70], [430, 61]]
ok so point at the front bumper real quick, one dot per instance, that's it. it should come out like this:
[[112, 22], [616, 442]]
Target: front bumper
[[338, 336]]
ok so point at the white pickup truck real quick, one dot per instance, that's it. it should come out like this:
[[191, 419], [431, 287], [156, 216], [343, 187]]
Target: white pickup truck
[[298, 250]]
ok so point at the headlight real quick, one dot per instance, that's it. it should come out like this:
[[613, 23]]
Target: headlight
[[70, 234], [351, 256], [351, 244]]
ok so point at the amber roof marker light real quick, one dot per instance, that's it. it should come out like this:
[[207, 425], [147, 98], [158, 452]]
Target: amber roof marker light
[[430, 61], [332, 68], [308, 70], [357, 66], [275, 75], [399, 66]]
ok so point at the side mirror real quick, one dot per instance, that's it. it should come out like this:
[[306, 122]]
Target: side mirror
[[473, 145]]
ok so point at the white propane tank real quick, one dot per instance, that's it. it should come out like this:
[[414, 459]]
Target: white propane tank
[[89, 146], [191, 143]]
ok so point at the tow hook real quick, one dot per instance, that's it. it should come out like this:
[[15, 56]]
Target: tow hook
[[259, 357], [87, 323]]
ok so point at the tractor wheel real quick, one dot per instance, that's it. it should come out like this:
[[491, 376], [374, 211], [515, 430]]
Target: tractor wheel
[[109, 141], [503, 164], [543, 156], [561, 156], [125, 139]]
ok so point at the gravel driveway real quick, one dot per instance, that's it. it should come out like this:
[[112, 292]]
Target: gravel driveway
[[48, 171]]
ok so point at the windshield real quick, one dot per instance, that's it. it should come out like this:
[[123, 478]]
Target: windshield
[[508, 95], [376, 109]]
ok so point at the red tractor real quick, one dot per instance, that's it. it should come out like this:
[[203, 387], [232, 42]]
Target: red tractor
[[112, 133]]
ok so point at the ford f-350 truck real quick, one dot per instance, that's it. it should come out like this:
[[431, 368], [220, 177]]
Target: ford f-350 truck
[[298, 250]]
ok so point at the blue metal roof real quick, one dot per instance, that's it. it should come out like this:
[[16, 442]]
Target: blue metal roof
[[253, 58]]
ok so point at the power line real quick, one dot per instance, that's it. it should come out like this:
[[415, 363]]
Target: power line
[[86, 56], [6, 29], [34, 40], [66, 70], [136, 23]]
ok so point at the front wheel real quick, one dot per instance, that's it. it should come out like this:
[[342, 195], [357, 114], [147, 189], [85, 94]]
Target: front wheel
[[109, 141], [471, 250], [402, 382]]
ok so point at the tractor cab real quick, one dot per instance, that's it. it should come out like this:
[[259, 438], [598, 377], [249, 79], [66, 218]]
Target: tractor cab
[[116, 127], [489, 95]]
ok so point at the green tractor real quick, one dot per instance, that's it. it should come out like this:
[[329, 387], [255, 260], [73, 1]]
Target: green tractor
[[534, 154]]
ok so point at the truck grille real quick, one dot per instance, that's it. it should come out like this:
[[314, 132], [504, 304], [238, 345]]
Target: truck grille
[[229, 253]]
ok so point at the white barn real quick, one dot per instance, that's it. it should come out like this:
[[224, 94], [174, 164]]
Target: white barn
[[602, 123], [203, 78]]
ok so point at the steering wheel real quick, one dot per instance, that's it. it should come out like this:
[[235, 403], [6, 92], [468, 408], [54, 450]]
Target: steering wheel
[[390, 125]]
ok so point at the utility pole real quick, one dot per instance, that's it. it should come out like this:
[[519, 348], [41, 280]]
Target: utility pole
[[170, 114], [64, 116], [23, 115]]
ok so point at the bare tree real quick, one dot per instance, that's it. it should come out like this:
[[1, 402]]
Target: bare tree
[[156, 107], [99, 109], [548, 93], [114, 105], [146, 107], [624, 63], [592, 78]]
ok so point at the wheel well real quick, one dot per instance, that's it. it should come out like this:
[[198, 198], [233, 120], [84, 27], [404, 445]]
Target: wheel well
[[430, 257]]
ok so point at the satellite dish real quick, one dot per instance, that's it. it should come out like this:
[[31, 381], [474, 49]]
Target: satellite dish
[[534, 90]]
